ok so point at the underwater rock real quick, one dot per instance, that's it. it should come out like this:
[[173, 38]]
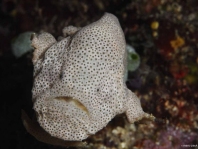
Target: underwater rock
[[171, 138]]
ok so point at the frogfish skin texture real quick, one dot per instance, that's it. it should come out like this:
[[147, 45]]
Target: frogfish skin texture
[[79, 81]]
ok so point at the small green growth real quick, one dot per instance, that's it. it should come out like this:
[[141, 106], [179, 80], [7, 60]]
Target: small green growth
[[134, 56]]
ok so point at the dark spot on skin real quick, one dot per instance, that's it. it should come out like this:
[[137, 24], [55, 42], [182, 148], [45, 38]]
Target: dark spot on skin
[[61, 76]]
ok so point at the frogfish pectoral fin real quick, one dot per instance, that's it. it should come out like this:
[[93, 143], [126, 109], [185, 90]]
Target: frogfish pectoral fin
[[40, 134]]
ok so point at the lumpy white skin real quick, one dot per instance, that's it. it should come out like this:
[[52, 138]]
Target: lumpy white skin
[[79, 81]]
